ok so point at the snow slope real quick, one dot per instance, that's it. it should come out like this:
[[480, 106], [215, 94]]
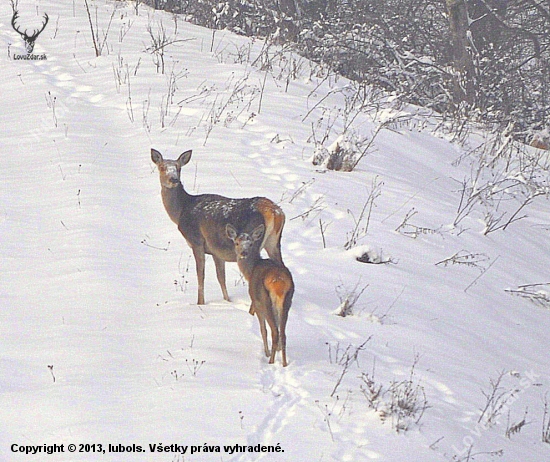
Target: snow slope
[[100, 338]]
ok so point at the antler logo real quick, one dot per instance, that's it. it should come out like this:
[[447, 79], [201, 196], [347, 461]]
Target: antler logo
[[29, 39]]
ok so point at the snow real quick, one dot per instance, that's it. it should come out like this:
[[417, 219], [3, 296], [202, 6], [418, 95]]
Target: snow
[[100, 338]]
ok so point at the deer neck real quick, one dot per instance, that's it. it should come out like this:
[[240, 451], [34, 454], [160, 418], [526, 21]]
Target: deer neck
[[175, 200], [247, 265]]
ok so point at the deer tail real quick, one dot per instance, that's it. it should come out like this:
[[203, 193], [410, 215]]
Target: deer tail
[[274, 220], [279, 285]]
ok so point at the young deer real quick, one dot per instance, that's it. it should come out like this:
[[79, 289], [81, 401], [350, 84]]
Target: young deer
[[202, 219], [270, 286]]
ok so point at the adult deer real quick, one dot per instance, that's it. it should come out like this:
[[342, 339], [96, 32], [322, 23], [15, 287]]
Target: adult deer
[[270, 286], [202, 219], [29, 39]]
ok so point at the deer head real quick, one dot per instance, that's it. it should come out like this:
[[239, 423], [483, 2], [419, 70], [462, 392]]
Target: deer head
[[29, 39], [244, 243]]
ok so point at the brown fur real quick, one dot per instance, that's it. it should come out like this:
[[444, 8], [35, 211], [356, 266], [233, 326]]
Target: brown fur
[[202, 220], [540, 144], [541, 140], [274, 219], [270, 287], [278, 285]]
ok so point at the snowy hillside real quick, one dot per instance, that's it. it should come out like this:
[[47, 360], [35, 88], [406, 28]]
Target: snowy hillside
[[444, 356]]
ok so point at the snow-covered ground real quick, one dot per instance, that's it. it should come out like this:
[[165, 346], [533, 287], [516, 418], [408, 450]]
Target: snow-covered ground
[[101, 342]]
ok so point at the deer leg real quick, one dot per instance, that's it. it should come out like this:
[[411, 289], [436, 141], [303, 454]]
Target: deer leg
[[220, 273], [274, 338], [263, 330], [199, 255], [282, 338]]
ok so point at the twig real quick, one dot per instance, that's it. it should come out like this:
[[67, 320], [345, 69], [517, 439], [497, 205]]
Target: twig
[[97, 53], [50, 367], [262, 93], [346, 360], [463, 257], [165, 44], [145, 243], [546, 422], [482, 274], [323, 227]]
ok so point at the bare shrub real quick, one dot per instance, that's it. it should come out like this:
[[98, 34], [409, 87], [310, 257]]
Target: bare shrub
[[402, 402], [539, 294], [348, 298], [496, 399], [362, 222], [506, 178], [344, 357]]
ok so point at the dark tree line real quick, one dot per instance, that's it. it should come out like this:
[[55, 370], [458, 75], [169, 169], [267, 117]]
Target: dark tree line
[[488, 59]]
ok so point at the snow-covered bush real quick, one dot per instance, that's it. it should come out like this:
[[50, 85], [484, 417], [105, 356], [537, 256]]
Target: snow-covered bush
[[342, 155], [406, 47]]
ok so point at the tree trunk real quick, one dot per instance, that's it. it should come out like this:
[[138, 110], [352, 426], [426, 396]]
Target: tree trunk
[[291, 18], [465, 81]]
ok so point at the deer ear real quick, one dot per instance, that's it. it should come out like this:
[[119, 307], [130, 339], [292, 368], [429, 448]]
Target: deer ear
[[258, 232], [156, 156], [184, 158], [231, 232]]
